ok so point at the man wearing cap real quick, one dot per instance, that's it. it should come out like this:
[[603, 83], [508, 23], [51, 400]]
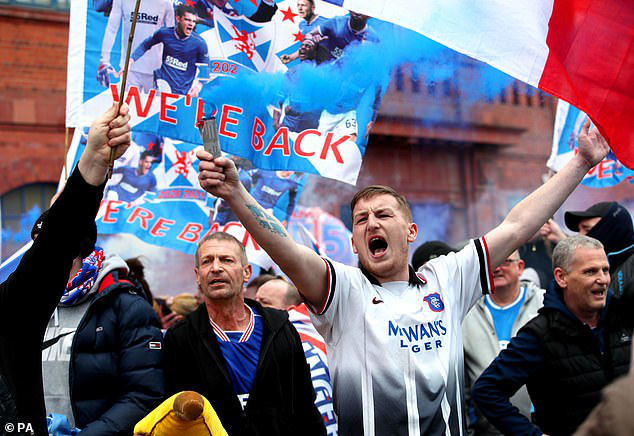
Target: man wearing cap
[[611, 224], [490, 325]]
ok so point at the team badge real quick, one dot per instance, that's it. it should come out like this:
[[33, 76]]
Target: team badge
[[435, 302]]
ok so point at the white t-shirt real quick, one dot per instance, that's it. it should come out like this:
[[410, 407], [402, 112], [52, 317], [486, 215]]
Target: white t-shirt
[[395, 351]]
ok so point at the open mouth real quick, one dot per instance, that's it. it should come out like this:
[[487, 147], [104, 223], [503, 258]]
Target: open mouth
[[217, 282], [377, 246], [599, 293]]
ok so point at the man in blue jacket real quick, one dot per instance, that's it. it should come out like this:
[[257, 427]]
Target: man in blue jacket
[[101, 355], [578, 344]]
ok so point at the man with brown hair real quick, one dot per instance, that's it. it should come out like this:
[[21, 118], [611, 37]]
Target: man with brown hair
[[393, 335], [247, 360]]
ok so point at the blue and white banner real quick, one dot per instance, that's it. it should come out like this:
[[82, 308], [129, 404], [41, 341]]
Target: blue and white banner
[[324, 233], [568, 123], [154, 194], [287, 81]]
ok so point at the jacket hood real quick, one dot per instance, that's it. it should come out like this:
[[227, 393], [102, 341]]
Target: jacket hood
[[554, 300], [109, 264], [615, 230]]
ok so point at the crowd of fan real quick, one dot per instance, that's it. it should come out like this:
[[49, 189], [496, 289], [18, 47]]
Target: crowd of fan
[[98, 353]]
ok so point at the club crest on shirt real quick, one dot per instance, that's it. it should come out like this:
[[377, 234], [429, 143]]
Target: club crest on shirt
[[435, 302]]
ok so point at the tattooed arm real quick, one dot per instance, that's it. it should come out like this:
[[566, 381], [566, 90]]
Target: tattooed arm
[[305, 268]]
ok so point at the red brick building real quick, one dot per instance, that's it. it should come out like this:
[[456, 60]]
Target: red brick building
[[462, 165]]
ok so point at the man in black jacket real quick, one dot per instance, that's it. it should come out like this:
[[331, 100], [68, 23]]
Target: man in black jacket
[[29, 296], [578, 344], [247, 360], [611, 224]]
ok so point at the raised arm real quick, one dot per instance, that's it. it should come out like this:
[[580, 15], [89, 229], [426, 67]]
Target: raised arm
[[533, 211], [513, 368], [304, 267], [144, 46]]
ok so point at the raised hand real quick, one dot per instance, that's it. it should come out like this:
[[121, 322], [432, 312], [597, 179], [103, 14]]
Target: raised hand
[[592, 145], [218, 176], [110, 130]]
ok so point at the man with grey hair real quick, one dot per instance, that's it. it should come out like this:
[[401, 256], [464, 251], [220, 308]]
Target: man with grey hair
[[247, 360], [577, 345]]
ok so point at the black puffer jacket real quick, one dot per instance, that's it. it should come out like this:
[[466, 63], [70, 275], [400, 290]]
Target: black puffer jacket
[[560, 361], [575, 370], [116, 375], [281, 401]]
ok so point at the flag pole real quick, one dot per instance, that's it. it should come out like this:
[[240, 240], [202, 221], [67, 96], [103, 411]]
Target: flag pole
[[65, 154], [123, 81]]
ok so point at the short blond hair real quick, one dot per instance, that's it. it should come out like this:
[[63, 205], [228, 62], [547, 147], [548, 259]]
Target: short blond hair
[[374, 190]]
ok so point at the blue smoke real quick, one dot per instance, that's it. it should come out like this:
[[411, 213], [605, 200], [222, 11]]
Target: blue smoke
[[363, 67]]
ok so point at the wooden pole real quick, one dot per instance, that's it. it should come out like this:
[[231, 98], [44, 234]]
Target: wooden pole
[[65, 153], [123, 81]]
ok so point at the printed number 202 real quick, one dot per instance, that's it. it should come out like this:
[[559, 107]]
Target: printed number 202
[[224, 67]]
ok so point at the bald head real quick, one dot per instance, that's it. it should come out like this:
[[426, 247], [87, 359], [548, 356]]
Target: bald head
[[279, 294]]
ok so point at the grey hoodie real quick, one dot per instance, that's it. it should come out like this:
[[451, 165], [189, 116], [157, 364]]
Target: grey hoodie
[[56, 358], [481, 347]]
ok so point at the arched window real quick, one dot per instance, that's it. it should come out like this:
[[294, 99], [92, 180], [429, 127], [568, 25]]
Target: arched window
[[19, 209]]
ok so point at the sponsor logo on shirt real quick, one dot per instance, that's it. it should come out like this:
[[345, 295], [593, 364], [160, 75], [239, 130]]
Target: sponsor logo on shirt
[[435, 302], [128, 187], [155, 345], [145, 18], [425, 336], [175, 63], [376, 300], [271, 191]]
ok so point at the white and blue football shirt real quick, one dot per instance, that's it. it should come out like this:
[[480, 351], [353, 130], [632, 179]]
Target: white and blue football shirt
[[395, 350]]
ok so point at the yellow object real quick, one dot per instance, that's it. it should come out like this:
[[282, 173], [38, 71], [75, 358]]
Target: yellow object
[[184, 414]]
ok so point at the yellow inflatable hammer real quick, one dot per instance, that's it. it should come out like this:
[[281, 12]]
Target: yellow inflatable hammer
[[184, 414]]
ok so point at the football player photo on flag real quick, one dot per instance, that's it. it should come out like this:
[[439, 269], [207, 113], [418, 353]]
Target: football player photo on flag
[[285, 80]]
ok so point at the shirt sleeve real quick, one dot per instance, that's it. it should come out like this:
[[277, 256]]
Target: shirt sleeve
[[146, 44], [521, 361], [464, 276], [203, 53], [169, 21], [114, 21], [342, 286]]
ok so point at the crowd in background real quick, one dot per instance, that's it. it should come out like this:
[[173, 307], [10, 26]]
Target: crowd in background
[[326, 348]]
